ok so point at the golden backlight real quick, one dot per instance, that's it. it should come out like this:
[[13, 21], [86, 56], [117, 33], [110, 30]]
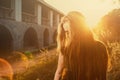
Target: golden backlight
[[96, 10], [93, 10]]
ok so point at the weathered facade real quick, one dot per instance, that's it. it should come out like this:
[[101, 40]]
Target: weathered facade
[[27, 24]]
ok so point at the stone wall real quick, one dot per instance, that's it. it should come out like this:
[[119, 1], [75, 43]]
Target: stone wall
[[18, 30]]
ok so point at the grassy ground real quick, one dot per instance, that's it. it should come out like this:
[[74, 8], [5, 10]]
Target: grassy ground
[[43, 65]]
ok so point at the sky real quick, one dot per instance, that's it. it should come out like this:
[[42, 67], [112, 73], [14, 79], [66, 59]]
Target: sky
[[93, 10]]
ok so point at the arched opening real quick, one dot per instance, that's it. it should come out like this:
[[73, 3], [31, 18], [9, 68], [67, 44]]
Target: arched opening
[[55, 37], [30, 39], [46, 37], [6, 41]]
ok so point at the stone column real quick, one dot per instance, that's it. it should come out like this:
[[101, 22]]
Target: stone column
[[58, 19], [51, 18], [39, 14], [13, 8], [18, 10]]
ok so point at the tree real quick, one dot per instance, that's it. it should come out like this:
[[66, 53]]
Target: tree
[[107, 29]]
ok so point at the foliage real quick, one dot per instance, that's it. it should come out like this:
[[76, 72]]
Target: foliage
[[108, 28], [107, 31], [28, 54], [41, 67]]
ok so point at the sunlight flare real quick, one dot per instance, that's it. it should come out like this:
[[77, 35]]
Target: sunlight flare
[[93, 10], [96, 9], [5, 69]]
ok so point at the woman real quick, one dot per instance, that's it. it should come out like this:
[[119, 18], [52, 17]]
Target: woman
[[80, 56]]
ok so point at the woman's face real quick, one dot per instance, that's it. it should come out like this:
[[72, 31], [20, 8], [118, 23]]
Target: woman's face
[[67, 28]]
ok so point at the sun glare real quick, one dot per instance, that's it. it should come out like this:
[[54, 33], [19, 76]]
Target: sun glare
[[96, 10], [93, 10]]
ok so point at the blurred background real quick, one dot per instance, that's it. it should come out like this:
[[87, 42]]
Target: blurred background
[[28, 30]]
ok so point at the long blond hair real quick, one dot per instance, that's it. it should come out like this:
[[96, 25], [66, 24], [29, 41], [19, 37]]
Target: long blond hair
[[79, 31], [83, 52]]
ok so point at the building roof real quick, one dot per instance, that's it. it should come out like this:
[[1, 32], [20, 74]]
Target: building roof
[[48, 5]]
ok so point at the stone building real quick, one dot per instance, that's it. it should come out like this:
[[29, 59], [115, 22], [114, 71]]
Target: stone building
[[27, 24]]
